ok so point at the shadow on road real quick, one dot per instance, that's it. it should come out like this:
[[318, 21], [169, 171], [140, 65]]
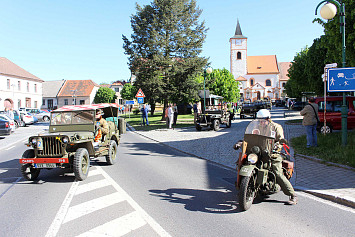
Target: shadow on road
[[210, 201]]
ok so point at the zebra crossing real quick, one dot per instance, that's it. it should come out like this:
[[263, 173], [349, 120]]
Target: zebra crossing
[[100, 207]]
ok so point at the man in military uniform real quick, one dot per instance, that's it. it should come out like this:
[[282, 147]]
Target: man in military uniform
[[102, 125], [276, 159]]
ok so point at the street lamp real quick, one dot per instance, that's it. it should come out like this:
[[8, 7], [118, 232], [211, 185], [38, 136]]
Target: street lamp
[[328, 11], [207, 70]]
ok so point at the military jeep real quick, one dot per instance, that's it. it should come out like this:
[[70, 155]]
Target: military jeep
[[216, 114], [71, 143]]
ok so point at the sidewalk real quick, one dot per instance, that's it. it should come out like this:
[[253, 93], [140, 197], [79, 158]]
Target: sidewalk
[[323, 180]]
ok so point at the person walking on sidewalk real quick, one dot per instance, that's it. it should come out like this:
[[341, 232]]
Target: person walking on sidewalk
[[175, 109], [310, 118], [170, 116], [145, 115]]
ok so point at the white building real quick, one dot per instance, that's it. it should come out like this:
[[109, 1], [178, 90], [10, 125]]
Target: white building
[[259, 77], [18, 88], [50, 92]]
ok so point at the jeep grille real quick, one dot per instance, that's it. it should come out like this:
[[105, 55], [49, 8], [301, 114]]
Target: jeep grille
[[51, 147]]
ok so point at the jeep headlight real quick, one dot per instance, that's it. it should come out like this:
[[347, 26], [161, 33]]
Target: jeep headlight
[[65, 139], [34, 141], [252, 158]]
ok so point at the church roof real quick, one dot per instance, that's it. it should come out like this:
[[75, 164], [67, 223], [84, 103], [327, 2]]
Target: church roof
[[266, 64], [238, 32], [284, 66]]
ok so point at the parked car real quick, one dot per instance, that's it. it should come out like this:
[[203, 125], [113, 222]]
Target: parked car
[[5, 128], [30, 110], [298, 105], [11, 121], [333, 112], [280, 103], [27, 118], [42, 115], [35, 120]]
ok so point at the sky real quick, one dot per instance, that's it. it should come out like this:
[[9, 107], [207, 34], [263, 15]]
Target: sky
[[82, 39]]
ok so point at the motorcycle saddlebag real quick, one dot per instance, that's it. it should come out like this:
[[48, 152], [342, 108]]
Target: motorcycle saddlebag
[[288, 165]]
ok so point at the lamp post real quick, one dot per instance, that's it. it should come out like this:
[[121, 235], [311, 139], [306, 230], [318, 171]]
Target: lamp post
[[328, 11], [206, 70]]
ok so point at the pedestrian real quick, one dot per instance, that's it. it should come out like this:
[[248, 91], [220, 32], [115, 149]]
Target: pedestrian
[[310, 118], [144, 111], [10, 113], [195, 111], [166, 116], [171, 116], [175, 110]]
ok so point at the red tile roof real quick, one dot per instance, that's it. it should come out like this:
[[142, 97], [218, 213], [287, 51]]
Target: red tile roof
[[80, 87], [266, 64], [9, 68], [284, 66]]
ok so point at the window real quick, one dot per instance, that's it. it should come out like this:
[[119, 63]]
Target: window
[[28, 87], [239, 55], [283, 85], [268, 82], [252, 82], [35, 88], [19, 85], [8, 84], [19, 103], [35, 105], [82, 102], [332, 106], [50, 104], [117, 89], [43, 102], [65, 101]]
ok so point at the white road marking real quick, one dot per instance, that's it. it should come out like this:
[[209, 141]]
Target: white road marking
[[91, 206], [160, 231], [93, 172], [91, 186], [118, 227], [2, 171], [9, 148], [58, 220]]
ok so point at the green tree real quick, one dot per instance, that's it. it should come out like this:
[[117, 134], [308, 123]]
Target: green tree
[[164, 51], [128, 92], [221, 82], [105, 95]]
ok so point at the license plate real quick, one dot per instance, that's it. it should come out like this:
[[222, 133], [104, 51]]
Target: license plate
[[46, 165]]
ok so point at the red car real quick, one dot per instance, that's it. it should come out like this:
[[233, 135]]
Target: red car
[[333, 112]]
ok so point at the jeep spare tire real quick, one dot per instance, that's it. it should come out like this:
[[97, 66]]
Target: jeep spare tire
[[111, 158], [81, 164]]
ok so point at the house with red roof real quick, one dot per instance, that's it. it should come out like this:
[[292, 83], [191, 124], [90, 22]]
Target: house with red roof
[[259, 77], [77, 92], [117, 86], [18, 87]]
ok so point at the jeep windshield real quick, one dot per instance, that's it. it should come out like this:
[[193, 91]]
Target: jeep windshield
[[77, 117]]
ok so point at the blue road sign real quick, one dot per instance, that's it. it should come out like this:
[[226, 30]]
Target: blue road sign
[[140, 100], [341, 79], [129, 102]]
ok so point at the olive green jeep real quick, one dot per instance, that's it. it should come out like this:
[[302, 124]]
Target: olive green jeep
[[72, 140]]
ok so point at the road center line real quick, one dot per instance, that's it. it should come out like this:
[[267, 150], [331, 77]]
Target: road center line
[[58, 220]]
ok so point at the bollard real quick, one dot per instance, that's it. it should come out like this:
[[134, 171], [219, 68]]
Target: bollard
[[122, 125]]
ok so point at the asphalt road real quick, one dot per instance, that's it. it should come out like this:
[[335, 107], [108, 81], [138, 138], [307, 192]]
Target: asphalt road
[[153, 190]]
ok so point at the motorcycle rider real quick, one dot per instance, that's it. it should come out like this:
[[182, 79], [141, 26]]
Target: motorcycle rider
[[276, 159]]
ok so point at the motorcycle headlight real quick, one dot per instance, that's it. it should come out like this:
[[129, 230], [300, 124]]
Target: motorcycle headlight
[[34, 141], [252, 158], [65, 140]]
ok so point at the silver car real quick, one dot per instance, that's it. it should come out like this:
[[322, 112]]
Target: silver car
[[42, 115]]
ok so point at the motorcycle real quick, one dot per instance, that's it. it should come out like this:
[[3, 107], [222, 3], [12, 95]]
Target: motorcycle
[[254, 167]]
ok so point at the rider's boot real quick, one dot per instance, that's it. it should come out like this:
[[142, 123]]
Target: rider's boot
[[293, 200]]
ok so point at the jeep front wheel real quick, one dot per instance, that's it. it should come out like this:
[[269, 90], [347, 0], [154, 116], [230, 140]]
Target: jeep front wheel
[[216, 124], [81, 164], [111, 158], [28, 171]]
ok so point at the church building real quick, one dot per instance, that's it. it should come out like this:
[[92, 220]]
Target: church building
[[259, 77]]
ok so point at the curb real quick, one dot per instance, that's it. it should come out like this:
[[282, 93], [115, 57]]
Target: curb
[[326, 196]]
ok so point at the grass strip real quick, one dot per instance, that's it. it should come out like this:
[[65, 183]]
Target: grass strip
[[329, 148]]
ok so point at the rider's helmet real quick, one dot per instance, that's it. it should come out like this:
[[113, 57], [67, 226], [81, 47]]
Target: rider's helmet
[[263, 114]]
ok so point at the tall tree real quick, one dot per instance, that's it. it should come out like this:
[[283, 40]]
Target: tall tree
[[105, 95], [164, 51], [128, 92]]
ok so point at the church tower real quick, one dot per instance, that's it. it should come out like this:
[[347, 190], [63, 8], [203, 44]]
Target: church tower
[[238, 53]]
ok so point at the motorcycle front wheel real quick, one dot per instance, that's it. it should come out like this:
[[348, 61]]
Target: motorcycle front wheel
[[246, 192]]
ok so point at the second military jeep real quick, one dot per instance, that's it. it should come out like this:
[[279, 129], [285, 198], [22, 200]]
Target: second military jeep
[[71, 143]]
